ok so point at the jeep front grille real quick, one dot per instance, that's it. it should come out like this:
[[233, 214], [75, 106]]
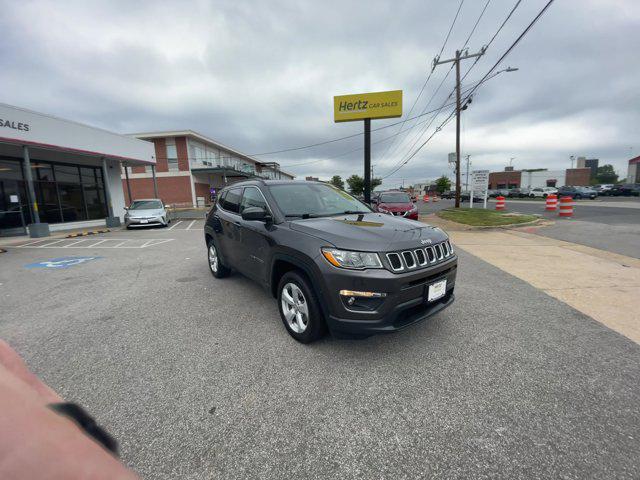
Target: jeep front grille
[[419, 257]]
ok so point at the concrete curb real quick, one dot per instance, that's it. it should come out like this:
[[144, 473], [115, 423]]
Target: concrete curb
[[465, 227], [87, 233]]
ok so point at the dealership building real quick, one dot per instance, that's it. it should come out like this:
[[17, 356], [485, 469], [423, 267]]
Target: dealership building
[[191, 168], [539, 177], [58, 174]]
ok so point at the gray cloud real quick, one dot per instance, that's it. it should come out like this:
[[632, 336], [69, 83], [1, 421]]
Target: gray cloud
[[260, 76]]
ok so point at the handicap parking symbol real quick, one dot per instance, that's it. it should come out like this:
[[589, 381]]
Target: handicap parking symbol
[[62, 262]]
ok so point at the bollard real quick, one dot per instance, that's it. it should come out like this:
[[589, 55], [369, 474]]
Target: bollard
[[500, 203], [566, 207], [552, 203]]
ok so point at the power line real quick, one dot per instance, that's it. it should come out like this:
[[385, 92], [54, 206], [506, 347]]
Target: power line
[[513, 45], [455, 18], [475, 26], [312, 145], [373, 143], [484, 78], [511, 12]]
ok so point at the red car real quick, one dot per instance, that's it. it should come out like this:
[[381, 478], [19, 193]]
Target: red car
[[396, 203]]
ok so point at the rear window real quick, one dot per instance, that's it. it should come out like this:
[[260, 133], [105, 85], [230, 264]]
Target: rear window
[[231, 200], [394, 198]]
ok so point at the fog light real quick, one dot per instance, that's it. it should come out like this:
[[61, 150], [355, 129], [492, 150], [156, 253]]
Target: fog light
[[352, 293]]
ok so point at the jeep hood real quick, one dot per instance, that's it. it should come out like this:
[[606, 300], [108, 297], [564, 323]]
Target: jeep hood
[[373, 232]]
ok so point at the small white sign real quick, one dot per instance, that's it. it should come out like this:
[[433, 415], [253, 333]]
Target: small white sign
[[480, 181], [437, 290], [13, 199]]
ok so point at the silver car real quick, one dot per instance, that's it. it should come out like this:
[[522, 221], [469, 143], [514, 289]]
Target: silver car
[[145, 212]]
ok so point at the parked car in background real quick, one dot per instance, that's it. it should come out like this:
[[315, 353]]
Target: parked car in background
[[464, 197], [542, 192], [448, 194], [624, 190], [602, 188], [396, 203], [577, 192], [146, 212], [519, 192]]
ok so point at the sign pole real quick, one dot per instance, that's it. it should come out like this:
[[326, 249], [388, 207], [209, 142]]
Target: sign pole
[[367, 160]]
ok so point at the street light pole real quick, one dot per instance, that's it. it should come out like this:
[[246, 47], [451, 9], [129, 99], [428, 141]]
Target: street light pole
[[468, 172]]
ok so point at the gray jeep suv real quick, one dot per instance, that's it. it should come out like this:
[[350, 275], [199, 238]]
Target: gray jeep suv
[[329, 259]]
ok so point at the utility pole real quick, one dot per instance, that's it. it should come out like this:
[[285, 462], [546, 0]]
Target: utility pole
[[460, 55], [367, 160]]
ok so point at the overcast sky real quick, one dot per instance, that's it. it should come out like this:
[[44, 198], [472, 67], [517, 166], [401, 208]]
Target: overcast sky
[[260, 76]]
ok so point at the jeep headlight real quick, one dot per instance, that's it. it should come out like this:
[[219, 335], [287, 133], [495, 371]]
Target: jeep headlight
[[351, 259]]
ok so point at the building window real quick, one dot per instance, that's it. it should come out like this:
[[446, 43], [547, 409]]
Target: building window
[[172, 158]]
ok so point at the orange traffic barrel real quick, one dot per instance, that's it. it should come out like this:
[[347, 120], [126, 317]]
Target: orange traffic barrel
[[426, 198], [552, 203], [500, 203], [566, 207]]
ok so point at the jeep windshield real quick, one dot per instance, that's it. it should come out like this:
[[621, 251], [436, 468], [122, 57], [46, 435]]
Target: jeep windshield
[[313, 200]]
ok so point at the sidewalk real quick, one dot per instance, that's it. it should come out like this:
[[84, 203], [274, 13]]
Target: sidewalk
[[603, 285]]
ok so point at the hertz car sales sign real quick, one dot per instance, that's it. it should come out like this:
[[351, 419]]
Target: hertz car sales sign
[[347, 108]]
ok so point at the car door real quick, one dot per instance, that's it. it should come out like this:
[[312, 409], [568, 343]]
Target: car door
[[229, 217], [254, 237]]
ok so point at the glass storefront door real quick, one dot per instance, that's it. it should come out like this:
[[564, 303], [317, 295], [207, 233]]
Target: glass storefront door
[[64, 192], [14, 207]]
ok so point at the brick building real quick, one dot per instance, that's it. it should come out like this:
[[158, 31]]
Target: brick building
[[633, 174], [534, 178], [189, 166]]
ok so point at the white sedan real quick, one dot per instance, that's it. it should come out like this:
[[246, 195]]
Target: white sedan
[[146, 212], [542, 192]]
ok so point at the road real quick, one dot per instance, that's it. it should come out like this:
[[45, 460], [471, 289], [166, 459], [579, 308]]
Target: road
[[612, 225], [197, 377]]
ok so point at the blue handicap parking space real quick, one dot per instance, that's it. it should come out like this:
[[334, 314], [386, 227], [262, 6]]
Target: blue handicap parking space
[[61, 262]]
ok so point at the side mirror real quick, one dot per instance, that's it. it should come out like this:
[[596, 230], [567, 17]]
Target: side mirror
[[256, 214]]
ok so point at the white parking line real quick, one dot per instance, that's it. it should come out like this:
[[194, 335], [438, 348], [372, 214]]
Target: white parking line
[[97, 243], [72, 243], [49, 244], [105, 243], [175, 225], [190, 225], [33, 243]]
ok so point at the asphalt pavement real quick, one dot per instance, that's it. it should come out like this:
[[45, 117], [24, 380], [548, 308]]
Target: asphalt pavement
[[612, 224], [197, 377]]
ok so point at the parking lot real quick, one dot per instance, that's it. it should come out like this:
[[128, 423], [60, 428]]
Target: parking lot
[[197, 377]]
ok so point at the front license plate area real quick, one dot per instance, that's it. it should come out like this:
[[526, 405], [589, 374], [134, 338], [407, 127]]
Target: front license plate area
[[436, 290], [144, 221]]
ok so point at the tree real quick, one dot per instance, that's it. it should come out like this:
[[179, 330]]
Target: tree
[[443, 184], [356, 184], [606, 174], [337, 182]]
